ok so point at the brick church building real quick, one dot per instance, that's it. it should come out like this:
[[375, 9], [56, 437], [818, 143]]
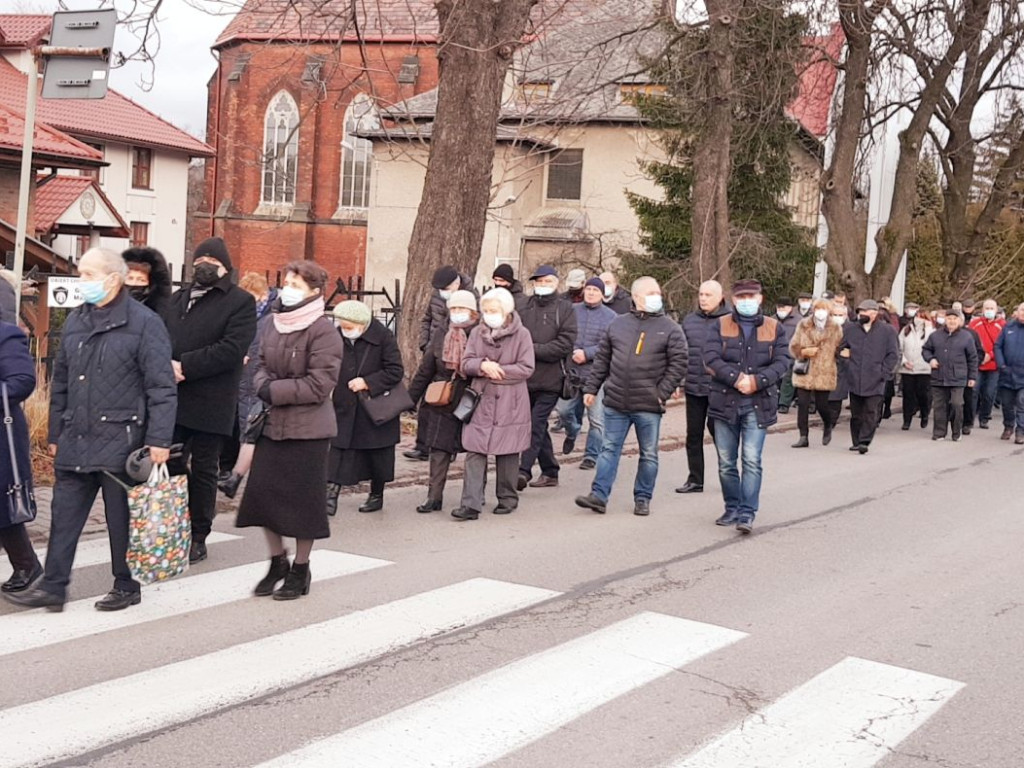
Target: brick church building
[[295, 82]]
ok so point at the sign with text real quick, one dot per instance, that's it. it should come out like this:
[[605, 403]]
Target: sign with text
[[63, 293]]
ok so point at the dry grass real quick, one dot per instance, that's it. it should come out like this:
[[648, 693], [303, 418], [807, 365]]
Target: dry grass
[[37, 413]]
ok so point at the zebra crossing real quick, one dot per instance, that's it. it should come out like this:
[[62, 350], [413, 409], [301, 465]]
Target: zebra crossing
[[850, 715]]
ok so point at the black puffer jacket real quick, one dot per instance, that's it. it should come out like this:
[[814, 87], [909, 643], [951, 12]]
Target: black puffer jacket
[[113, 388], [621, 302], [957, 356], [874, 356], [640, 362], [697, 327], [551, 322], [435, 316]]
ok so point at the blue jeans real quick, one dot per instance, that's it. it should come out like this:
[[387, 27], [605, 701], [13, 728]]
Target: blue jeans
[[985, 392], [742, 494], [570, 412], [616, 427]]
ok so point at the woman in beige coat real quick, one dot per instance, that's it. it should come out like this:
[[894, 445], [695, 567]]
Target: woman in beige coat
[[816, 340]]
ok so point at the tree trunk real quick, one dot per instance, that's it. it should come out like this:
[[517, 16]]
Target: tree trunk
[[476, 44], [712, 159]]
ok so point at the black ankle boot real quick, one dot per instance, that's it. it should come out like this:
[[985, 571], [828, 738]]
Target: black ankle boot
[[374, 503], [278, 571], [229, 487], [333, 489], [826, 436], [803, 442], [296, 583], [429, 506]]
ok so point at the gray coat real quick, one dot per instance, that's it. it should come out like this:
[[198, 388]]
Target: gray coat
[[501, 424], [957, 356]]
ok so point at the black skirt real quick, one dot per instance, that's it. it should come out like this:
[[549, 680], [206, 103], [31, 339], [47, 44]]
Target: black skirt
[[287, 489], [351, 467]]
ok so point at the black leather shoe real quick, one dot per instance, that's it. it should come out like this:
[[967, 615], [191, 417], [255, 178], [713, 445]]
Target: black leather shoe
[[21, 579], [197, 552], [279, 569], [924, 422], [296, 583], [590, 501], [588, 464], [568, 445], [803, 442], [982, 425], [854, 447], [689, 487], [374, 503], [36, 597], [862, 449], [465, 513], [429, 506], [783, 409], [642, 507], [417, 455], [826, 436], [229, 487], [966, 430], [745, 524], [503, 510], [222, 476], [333, 490], [726, 519], [906, 426], [118, 600], [522, 481]]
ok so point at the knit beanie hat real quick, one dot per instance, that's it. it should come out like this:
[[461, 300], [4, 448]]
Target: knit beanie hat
[[213, 247], [444, 277], [504, 272], [595, 282], [353, 312], [462, 300]]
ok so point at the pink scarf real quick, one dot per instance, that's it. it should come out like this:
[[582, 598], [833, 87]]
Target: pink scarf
[[299, 318]]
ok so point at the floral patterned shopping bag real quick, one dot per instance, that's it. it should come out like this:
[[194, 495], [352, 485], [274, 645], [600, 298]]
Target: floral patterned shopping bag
[[159, 531]]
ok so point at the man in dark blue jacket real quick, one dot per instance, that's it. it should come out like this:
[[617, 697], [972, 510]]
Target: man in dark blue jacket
[[1009, 351], [874, 353], [747, 355], [112, 392], [696, 327], [953, 357]]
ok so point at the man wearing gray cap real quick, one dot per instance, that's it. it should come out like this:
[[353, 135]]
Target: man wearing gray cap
[[874, 353]]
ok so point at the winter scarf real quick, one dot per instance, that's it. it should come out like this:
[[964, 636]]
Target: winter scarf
[[454, 348], [299, 317]]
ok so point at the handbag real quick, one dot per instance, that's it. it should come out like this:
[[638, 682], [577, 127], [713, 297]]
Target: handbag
[[21, 500], [572, 382], [255, 422], [159, 529], [802, 366], [467, 405], [440, 392], [388, 405]]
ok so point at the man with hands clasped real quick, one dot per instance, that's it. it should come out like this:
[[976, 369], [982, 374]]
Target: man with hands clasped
[[953, 357]]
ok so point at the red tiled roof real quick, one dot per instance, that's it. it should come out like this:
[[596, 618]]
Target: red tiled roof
[[114, 117], [23, 30], [813, 102], [330, 20], [48, 142], [59, 193]]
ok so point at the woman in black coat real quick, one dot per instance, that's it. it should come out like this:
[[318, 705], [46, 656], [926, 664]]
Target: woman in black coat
[[149, 277], [439, 430], [371, 366], [18, 373]]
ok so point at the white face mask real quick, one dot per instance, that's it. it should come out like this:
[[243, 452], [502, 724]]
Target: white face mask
[[804, 308], [494, 319], [543, 290], [940, 321], [609, 291], [782, 313], [458, 318], [445, 295], [820, 315], [911, 313], [351, 335], [838, 319]]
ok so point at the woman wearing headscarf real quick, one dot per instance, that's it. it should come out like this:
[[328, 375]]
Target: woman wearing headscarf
[[299, 359], [18, 373], [817, 339], [372, 365], [442, 360], [499, 359]]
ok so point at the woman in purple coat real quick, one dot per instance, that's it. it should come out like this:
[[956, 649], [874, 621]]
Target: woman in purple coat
[[499, 358]]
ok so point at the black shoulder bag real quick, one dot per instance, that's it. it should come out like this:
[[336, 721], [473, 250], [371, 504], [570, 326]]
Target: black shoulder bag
[[21, 501]]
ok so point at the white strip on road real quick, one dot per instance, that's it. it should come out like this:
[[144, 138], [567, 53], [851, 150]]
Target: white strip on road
[[849, 716], [25, 630], [70, 724], [490, 716], [97, 552]]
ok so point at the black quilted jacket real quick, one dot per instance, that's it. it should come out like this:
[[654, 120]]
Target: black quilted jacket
[[113, 388]]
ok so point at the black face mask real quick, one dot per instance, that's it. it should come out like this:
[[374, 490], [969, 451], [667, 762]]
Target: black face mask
[[206, 274], [139, 292], [863, 319]]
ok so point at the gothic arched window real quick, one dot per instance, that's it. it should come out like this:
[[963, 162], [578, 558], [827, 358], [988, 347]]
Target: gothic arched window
[[280, 150], [357, 154]]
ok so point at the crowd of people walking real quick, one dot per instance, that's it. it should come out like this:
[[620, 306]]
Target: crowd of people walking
[[311, 397]]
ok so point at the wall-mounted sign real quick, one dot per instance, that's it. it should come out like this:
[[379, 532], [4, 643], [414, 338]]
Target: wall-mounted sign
[[63, 293]]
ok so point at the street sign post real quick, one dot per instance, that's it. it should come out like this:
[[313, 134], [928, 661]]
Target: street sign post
[[63, 293]]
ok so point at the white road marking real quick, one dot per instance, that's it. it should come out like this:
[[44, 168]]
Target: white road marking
[[25, 630], [70, 724], [850, 716], [97, 552], [488, 717]]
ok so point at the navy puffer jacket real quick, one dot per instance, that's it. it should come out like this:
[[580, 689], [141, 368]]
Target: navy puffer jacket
[[1010, 355], [697, 328]]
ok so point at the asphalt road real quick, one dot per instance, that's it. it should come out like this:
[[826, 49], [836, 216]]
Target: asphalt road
[[874, 617]]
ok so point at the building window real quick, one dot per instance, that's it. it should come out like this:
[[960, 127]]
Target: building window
[[629, 91], [565, 175], [280, 151], [142, 166], [533, 90], [140, 234], [94, 173], [357, 153]]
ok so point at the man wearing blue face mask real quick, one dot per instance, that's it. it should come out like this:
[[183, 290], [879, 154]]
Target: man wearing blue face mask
[[747, 355]]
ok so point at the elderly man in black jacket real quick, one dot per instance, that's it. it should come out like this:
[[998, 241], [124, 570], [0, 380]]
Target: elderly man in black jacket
[[874, 353], [953, 357], [641, 362], [696, 327], [551, 321], [112, 392], [212, 323]]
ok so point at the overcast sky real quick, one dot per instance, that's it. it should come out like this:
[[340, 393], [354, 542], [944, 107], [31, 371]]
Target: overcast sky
[[175, 85]]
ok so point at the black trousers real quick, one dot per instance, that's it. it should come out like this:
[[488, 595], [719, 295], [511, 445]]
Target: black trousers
[[200, 459], [835, 410], [970, 406], [864, 416], [540, 450], [73, 496], [917, 395], [696, 420], [18, 546], [949, 410], [804, 397]]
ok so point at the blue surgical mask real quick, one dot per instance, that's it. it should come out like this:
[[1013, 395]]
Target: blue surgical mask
[[653, 303], [990, 314], [92, 291], [291, 296], [543, 290], [747, 307]]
